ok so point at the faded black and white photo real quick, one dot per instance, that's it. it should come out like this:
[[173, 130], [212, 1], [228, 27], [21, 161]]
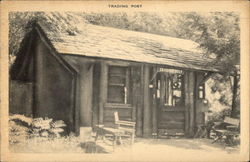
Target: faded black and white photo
[[124, 83]]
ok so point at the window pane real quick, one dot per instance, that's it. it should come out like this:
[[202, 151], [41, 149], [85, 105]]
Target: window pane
[[116, 80], [116, 94], [116, 70], [118, 84]]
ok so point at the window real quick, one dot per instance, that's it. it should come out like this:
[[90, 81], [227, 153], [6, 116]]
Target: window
[[118, 84], [170, 86], [201, 91]]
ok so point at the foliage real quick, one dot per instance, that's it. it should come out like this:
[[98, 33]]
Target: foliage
[[138, 21], [22, 127], [219, 116], [20, 23], [217, 32], [46, 128]]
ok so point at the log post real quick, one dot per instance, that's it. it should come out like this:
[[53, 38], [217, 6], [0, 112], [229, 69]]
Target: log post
[[139, 110], [154, 106], [191, 102], [134, 94], [86, 75], [146, 101], [77, 105], [103, 90], [186, 82], [96, 93]]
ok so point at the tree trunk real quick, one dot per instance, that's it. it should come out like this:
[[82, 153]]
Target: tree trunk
[[235, 89]]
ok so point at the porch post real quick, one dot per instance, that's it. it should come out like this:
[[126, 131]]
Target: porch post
[[146, 111], [154, 106], [187, 104], [139, 110], [191, 102], [86, 74], [103, 90]]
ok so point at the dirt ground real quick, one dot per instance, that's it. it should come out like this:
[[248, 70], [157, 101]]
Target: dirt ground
[[74, 145], [178, 149], [182, 144]]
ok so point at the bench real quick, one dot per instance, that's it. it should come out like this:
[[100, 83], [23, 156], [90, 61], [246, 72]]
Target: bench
[[229, 128], [102, 131]]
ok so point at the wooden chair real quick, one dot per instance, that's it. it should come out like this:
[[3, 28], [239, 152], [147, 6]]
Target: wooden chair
[[126, 126], [229, 128]]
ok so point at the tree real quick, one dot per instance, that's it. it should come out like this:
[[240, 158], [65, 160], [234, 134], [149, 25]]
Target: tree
[[217, 33]]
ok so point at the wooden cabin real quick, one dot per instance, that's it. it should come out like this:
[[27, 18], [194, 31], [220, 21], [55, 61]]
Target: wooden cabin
[[82, 78]]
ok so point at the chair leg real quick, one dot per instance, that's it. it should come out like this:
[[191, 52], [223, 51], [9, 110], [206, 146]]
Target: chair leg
[[120, 140], [114, 142], [132, 138]]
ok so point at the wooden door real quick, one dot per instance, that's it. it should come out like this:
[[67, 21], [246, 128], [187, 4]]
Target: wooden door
[[170, 103]]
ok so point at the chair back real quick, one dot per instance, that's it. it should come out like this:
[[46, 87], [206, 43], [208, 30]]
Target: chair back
[[232, 121]]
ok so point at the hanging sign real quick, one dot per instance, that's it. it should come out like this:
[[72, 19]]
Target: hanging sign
[[173, 71]]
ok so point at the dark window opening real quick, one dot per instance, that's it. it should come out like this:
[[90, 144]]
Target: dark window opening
[[118, 85], [170, 86]]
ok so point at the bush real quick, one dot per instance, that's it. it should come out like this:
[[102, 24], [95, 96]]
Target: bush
[[46, 128], [22, 127]]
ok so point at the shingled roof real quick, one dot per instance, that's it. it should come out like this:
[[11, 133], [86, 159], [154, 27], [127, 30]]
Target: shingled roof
[[112, 43]]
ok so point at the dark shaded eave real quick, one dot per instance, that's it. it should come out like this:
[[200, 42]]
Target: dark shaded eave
[[153, 64]]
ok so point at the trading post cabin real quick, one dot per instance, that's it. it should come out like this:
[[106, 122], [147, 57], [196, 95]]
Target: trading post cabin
[[83, 78]]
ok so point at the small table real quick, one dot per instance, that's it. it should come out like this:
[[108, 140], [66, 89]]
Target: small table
[[101, 131]]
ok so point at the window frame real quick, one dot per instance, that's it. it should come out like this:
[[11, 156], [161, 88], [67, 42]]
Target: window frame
[[127, 93]]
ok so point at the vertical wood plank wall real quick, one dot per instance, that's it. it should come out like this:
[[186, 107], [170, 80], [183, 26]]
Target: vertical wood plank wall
[[54, 87]]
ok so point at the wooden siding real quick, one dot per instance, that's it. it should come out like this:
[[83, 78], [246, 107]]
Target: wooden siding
[[54, 88], [171, 120], [20, 98]]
